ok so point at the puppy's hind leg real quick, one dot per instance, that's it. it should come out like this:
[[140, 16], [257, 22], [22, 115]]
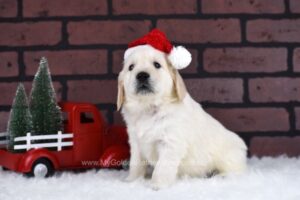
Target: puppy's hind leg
[[235, 163]]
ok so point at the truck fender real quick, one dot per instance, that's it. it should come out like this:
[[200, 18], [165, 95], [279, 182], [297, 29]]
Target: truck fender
[[32, 155], [114, 156]]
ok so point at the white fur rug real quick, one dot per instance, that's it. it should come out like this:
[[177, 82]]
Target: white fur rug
[[267, 178]]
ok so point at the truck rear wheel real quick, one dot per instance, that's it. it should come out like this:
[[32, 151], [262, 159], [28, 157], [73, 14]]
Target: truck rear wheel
[[5, 169], [42, 168]]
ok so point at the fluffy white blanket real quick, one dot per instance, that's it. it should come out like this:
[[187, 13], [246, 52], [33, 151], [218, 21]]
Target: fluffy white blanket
[[267, 178]]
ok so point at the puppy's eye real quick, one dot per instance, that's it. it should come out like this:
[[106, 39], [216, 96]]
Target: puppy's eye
[[157, 65], [131, 67]]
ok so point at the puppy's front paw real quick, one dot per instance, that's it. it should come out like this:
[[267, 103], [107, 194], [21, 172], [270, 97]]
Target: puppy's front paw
[[157, 185], [130, 178]]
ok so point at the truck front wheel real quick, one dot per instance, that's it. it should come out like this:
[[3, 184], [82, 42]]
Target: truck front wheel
[[42, 168]]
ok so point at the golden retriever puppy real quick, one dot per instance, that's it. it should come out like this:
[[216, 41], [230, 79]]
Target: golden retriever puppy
[[167, 128]]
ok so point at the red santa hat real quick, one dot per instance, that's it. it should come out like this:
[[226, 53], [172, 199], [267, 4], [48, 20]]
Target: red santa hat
[[178, 56]]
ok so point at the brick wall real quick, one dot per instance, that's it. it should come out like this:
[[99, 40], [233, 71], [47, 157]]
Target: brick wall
[[245, 69]]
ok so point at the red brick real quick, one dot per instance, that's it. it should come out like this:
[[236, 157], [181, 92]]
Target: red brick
[[264, 30], [45, 8], [252, 119], [30, 33], [3, 121], [243, 6], [245, 60], [9, 64], [8, 8], [220, 90], [297, 118], [106, 32], [69, 62], [150, 7], [192, 68], [295, 6], [94, 91], [275, 146], [119, 54], [201, 31], [274, 89], [8, 91], [296, 60]]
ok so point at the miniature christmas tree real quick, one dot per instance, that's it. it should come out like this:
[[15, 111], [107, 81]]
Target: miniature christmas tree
[[20, 121], [46, 114]]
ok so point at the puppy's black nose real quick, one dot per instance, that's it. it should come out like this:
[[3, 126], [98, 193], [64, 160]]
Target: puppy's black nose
[[142, 76]]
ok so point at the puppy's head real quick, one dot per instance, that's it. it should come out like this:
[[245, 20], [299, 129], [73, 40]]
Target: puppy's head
[[147, 75]]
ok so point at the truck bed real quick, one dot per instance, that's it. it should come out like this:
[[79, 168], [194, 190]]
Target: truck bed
[[9, 160]]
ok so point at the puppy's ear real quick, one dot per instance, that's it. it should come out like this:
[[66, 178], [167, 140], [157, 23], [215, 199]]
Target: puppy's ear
[[179, 86], [121, 94]]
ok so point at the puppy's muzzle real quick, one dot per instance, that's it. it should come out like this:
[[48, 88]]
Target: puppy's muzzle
[[142, 77], [143, 85]]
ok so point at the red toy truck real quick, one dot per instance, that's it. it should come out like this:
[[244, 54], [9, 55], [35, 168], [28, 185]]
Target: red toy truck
[[88, 143]]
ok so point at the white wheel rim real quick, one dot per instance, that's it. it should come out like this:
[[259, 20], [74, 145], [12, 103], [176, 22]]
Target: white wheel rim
[[40, 170]]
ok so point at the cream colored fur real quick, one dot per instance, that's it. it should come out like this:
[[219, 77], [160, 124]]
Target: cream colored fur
[[168, 129]]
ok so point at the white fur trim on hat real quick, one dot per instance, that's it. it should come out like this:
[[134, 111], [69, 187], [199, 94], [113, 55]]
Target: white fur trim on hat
[[129, 51], [180, 57]]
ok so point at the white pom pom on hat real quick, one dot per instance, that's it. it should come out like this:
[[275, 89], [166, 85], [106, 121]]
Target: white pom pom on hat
[[178, 56]]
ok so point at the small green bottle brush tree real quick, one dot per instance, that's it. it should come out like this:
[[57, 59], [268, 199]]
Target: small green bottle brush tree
[[20, 121], [42, 115], [46, 115]]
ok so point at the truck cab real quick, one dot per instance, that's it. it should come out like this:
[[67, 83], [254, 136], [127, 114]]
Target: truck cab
[[88, 127]]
